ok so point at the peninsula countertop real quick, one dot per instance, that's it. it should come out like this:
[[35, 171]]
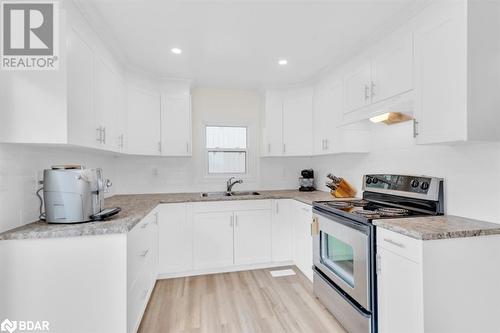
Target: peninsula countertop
[[136, 206], [439, 227]]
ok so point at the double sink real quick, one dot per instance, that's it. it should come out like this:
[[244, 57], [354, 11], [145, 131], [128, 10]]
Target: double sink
[[228, 194]]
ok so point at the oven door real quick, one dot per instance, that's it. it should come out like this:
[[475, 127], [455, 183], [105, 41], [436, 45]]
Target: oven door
[[342, 253]]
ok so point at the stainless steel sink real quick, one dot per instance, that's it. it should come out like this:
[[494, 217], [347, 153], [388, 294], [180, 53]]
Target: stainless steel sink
[[243, 193], [226, 194]]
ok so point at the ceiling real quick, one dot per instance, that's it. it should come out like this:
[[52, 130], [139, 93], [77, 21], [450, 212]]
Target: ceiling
[[238, 43]]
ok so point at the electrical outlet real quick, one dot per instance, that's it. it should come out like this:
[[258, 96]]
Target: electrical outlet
[[39, 178]]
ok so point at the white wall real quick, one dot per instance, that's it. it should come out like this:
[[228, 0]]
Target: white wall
[[471, 172], [21, 166], [211, 106]]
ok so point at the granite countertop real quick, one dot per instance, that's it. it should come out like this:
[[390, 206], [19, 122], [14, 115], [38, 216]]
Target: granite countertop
[[439, 227], [135, 207]]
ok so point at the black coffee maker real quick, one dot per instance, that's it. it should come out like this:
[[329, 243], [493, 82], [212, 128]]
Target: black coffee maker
[[306, 181]]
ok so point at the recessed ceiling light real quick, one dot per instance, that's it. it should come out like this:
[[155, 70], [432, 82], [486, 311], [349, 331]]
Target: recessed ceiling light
[[176, 50], [282, 62]]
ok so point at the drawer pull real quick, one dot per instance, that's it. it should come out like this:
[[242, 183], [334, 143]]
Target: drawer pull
[[390, 241], [144, 253]]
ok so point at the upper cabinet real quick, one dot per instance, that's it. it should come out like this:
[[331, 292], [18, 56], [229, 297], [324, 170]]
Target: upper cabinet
[[273, 124], [457, 47], [176, 136], [143, 121], [287, 114], [297, 122], [385, 72]]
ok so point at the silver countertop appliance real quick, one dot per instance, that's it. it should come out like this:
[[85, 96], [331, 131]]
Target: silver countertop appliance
[[73, 194]]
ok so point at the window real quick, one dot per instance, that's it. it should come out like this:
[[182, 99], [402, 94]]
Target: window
[[226, 149]]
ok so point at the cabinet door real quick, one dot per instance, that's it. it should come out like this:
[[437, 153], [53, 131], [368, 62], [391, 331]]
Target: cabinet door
[[273, 126], [282, 231], [297, 123], [143, 122], [440, 70], [106, 88], [175, 239], [82, 123], [327, 117], [357, 87], [212, 240], [252, 237], [392, 68], [176, 125], [399, 294], [303, 251]]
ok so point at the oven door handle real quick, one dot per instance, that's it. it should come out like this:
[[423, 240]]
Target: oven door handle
[[364, 228]]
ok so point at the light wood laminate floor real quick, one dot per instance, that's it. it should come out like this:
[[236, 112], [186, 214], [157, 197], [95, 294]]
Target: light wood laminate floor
[[248, 301]]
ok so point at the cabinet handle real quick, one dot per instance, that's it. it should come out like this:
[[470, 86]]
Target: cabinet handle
[[156, 218], [284, 148], [159, 146], [99, 134], [390, 241], [121, 141], [277, 208], [187, 147], [104, 135], [367, 90], [144, 253], [235, 220], [269, 148], [415, 128], [372, 89]]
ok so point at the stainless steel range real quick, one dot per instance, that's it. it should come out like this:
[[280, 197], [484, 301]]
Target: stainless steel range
[[344, 242]]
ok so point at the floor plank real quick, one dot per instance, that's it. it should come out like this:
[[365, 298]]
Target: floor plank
[[247, 301]]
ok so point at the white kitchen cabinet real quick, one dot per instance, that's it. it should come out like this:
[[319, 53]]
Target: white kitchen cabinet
[[143, 121], [327, 111], [176, 137], [81, 112], [175, 237], [273, 124], [399, 295], [303, 242], [212, 239], [106, 103], [282, 231], [297, 122], [357, 87], [392, 67], [456, 45], [252, 237], [425, 285]]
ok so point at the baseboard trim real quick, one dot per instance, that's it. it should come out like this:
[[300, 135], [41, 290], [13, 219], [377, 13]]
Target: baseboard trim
[[224, 270]]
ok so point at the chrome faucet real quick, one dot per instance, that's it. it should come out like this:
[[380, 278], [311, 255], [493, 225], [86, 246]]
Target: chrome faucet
[[230, 183]]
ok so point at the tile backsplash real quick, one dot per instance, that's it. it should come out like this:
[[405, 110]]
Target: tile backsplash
[[21, 166]]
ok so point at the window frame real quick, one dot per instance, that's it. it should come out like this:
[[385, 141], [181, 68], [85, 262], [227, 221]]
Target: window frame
[[207, 150]]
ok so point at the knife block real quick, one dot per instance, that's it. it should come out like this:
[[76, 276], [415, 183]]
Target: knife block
[[344, 190]]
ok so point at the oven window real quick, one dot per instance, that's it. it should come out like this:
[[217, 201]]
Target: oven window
[[338, 256]]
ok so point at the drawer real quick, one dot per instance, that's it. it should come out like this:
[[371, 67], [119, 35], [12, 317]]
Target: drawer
[[232, 205], [140, 242], [400, 244], [137, 297]]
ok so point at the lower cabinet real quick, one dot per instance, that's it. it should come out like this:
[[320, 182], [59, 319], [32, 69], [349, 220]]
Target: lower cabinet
[[252, 237], [212, 240], [302, 239], [282, 231], [142, 262]]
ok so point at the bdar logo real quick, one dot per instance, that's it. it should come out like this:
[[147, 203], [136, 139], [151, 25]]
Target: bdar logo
[[8, 326], [29, 35]]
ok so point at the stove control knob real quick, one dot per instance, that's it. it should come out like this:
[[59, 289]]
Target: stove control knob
[[375, 180], [415, 183], [424, 186], [368, 180]]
